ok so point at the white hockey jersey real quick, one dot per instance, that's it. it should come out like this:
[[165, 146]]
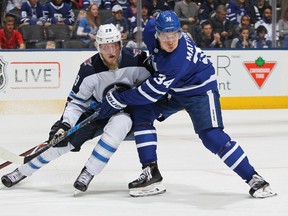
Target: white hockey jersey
[[94, 80]]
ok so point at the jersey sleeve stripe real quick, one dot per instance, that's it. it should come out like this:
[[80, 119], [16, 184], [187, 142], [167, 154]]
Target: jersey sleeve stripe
[[148, 97], [73, 96], [154, 89], [188, 88], [143, 132], [146, 144]]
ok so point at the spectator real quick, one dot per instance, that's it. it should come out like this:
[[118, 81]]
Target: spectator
[[13, 7], [131, 10], [283, 29], [223, 26], [207, 10], [260, 40], [170, 4], [9, 37], [154, 5], [145, 14], [76, 4], [123, 3], [187, 10], [59, 12], [266, 21], [32, 13], [257, 10], [208, 39], [144, 20], [245, 21], [242, 41], [237, 9], [89, 26], [105, 4], [119, 21], [133, 42], [185, 29]]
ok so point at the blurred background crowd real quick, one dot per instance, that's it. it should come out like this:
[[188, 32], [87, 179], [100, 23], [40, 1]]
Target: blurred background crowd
[[50, 24]]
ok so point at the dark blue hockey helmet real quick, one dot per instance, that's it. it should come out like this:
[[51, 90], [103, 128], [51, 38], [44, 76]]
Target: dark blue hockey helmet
[[167, 21]]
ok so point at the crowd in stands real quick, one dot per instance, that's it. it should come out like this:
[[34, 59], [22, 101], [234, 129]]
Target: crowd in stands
[[210, 23]]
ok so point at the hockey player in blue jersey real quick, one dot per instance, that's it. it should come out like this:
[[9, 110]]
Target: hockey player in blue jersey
[[113, 67], [185, 75]]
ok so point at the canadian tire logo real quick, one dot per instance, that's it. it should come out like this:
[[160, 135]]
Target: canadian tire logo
[[3, 78], [259, 70]]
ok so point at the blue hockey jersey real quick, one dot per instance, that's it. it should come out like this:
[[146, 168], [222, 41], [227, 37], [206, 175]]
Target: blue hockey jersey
[[62, 13], [235, 12], [186, 71], [32, 14]]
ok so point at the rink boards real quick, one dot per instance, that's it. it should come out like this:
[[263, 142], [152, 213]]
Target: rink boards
[[39, 82]]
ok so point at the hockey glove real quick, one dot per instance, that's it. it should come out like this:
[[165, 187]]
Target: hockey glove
[[59, 129], [109, 105]]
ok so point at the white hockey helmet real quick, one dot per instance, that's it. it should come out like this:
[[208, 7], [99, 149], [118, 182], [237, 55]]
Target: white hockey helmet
[[107, 33]]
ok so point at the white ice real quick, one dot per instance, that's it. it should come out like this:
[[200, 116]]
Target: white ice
[[198, 183]]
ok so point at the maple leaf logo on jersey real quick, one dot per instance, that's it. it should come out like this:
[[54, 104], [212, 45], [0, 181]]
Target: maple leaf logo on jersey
[[259, 70], [3, 78]]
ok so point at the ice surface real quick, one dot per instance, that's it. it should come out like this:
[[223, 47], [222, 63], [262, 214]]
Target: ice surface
[[198, 183]]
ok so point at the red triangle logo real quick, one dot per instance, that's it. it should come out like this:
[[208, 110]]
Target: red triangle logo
[[259, 73]]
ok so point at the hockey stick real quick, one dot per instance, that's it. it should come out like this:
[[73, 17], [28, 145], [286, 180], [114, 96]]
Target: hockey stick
[[7, 163], [9, 156]]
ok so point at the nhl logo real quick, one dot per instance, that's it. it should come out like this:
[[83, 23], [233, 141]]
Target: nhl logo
[[3, 79]]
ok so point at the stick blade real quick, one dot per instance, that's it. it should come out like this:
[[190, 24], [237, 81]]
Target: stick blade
[[9, 156]]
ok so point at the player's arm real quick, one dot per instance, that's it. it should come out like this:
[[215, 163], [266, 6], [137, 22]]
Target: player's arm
[[150, 91], [77, 103], [163, 76], [79, 97]]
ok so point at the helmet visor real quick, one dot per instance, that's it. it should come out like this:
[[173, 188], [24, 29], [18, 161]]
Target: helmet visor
[[169, 36]]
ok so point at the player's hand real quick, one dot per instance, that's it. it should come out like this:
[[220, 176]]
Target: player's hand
[[59, 129], [110, 105]]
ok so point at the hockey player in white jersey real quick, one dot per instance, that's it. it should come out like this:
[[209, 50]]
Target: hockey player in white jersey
[[184, 72], [113, 67]]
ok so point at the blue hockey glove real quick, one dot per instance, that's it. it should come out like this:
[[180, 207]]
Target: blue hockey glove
[[58, 130], [109, 105]]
